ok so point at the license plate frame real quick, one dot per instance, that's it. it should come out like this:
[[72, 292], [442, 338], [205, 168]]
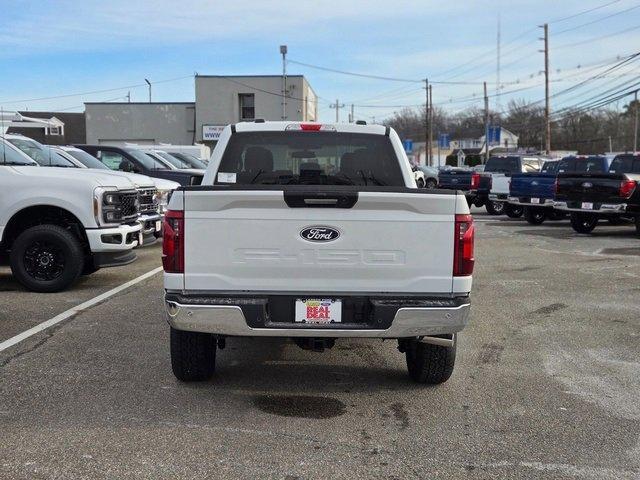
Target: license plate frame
[[318, 311], [587, 205], [158, 225], [535, 201]]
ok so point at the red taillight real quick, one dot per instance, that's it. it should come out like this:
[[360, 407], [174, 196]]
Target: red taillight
[[173, 241], [475, 181], [627, 188], [463, 246]]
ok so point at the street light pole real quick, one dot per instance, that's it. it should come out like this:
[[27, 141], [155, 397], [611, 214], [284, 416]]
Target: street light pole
[[149, 83]]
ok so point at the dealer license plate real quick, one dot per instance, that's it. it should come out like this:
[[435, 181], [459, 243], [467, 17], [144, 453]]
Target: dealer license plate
[[158, 225], [318, 310], [535, 200], [587, 206]]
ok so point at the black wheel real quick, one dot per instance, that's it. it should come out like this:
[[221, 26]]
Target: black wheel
[[535, 216], [494, 208], [46, 258], [431, 364], [513, 211], [431, 183], [193, 355], [420, 183], [583, 222]]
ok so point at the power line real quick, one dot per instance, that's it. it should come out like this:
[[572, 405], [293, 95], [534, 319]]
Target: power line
[[8, 102], [596, 39], [558, 20], [576, 27]]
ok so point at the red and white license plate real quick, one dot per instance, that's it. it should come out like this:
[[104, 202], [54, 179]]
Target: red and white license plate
[[535, 200], [318, 310], [587, 206]]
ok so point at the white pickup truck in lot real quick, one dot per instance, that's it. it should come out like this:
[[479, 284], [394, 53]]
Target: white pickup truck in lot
[[59, 223], [315, 232]]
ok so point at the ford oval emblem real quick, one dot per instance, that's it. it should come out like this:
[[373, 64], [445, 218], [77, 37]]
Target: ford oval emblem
[[587, 184], [319, 233], [454, 180], [534, 183]]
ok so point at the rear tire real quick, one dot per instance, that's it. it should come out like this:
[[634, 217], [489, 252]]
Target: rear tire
[[513, 211], [583, 222], [431, 183], [46, 258], [193, 355], [420, 183], [494, 208], [534, 216], [430, 364]]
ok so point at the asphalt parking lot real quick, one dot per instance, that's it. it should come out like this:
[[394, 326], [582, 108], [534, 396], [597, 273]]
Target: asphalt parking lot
[[546, 382]]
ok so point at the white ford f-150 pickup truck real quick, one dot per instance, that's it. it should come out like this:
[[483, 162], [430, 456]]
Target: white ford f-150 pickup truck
[[315, 232], [59, 223]]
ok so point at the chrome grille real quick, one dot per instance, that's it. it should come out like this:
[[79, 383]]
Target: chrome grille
[[147, 200]]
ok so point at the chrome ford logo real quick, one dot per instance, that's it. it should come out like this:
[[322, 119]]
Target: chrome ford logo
[[587, 184], [319, 233], [454, 180]]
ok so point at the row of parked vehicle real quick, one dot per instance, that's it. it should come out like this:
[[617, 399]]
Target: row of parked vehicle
[[90, 208], [586, 188]]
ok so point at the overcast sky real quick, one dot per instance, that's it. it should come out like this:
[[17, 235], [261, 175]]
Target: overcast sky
[[55, 48]]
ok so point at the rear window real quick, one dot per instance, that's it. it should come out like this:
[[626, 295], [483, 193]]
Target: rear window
[[582, 165], [503, 165], [309, 158], [549, 167], [625, 164]]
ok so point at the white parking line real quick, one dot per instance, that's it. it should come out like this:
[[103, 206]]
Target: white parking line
[[74, 310]]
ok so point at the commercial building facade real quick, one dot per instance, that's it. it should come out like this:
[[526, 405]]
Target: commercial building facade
[[219, 101]]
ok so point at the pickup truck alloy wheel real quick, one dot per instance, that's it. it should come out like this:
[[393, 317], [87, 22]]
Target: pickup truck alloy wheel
[[583, 222], [513, 211], [431, 183], [46, 258], [428, 363], [420, 183], [534, 216], [494, 208]]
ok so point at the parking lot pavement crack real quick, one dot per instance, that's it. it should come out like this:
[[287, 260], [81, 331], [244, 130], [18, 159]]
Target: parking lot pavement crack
[[47, 335]]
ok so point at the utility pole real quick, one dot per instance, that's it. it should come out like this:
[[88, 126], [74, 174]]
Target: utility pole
[[486, 123], [426, 122], [635, 124], [352, 117], [547, 108], [337, 106], [430, 122], [498, 69], [283, 52], [129, 96], [149, 83]]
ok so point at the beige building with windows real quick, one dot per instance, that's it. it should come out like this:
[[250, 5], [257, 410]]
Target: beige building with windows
[[221, 100]]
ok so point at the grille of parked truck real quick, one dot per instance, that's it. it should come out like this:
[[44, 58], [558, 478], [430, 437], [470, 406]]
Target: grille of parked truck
[[318, 233]]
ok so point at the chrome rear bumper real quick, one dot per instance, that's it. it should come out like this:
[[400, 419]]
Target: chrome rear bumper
[[230, 320]]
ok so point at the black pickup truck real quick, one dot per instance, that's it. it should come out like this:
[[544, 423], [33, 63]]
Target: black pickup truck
[[614, 195], [474, 185], [136, 161]]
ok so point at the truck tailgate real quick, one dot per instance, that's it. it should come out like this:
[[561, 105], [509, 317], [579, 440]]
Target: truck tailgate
[[539, 185], [603, 187], [251, 240]]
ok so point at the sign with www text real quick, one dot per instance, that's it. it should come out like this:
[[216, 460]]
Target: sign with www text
[[211, 133]]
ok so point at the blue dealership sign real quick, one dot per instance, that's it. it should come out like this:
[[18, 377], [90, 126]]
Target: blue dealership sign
[[443, 140], [408, 145], [494, 134]]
